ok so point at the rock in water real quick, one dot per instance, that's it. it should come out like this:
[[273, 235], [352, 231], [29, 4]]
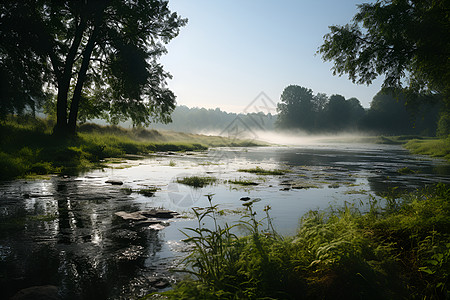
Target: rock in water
[[114, 182], [44, 292]]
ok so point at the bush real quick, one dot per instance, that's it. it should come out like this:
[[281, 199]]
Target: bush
[[10, 167]]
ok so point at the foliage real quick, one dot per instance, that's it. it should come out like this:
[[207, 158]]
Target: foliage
[[395, 38], [296, 108], [197, 181], [398, 250], [100, 56], [388, 113]]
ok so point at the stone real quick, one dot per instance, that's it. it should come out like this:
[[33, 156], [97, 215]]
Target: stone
[[114, 182], [44, 292], [134, 216]]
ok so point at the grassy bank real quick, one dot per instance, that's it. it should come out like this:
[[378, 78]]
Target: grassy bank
[[27, 147], [401, 250], [432, 147]]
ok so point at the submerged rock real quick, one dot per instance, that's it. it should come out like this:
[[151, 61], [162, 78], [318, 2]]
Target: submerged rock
[[43, 292], [134, 216], [114, 182], [150, 217]]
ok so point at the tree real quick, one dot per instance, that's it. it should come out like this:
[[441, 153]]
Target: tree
[[340, 114], [400, 39], [296, 109], [388, 114], [99, 56]]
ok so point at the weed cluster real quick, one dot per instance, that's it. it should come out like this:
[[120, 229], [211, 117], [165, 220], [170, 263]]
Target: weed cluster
[[197, 181], [261, 171], [400, 250]]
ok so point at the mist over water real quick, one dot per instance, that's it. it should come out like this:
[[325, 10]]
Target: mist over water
[[292, 137]]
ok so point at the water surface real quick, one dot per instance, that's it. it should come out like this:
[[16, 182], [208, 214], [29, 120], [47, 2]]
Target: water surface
[[64, 231]]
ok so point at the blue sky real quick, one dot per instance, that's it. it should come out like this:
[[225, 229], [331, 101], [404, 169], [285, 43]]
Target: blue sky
[[231, 51]]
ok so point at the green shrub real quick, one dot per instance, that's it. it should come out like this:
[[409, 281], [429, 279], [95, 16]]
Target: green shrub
[[10, 167], [41, 168]]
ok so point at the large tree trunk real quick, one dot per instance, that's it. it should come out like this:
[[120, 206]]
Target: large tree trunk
[[61, 127], [74, 105]]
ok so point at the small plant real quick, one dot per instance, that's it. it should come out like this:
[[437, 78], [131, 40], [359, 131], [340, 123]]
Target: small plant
[[405, 171], [197, 181], [172, 163], [148, 192]]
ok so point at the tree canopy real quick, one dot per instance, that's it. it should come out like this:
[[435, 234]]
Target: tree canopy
[[404, 40], [388, 114], [98, 57]]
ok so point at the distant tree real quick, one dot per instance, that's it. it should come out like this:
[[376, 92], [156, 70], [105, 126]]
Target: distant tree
[[340, 114], [319, 101], [400, 39], [99, 55], [296, 109], [356, 112], [388, 114]]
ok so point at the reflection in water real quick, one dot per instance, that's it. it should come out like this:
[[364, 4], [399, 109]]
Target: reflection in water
[[63, 231], [70, 238]]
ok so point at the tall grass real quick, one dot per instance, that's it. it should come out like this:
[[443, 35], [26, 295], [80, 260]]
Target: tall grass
[[400, 250]]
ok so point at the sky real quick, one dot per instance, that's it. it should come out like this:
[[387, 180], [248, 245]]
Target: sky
[[232, 51]]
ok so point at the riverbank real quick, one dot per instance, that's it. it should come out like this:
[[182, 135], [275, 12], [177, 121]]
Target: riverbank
[[397, 250], [439, 148], [28, 149]]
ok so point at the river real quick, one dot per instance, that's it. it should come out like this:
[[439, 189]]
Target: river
[[63, 231]]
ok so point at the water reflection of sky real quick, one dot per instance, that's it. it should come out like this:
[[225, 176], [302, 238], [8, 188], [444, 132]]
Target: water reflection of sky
[[63, 231]]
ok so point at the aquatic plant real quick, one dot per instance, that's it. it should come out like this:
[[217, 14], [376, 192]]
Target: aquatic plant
[[197, 181], [244, 182], [261, 171], [148, 192]]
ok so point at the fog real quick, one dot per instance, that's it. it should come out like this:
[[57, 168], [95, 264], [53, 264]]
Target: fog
[[293, 137]]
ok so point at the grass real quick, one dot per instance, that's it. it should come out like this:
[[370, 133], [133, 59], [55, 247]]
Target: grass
[[261, 171], [432, 147], [28, 148], [400, 250], [197, 181]]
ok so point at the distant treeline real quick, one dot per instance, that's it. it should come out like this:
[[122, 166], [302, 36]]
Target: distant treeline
[[216, 121], [389, 114]]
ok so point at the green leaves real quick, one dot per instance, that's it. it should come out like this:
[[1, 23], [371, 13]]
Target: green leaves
[[395, 38]]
